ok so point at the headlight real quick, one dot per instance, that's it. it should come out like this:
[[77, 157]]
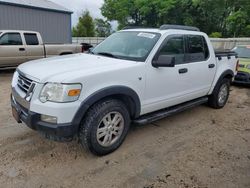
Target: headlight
[[14, 79], [56, 92]]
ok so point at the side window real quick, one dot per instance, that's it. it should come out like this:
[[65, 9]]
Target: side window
[[31, 39], [197, 49], [11, 39], [174, 47]]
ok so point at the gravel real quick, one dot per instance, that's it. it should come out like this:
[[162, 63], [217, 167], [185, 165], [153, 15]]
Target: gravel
[[201, 147]]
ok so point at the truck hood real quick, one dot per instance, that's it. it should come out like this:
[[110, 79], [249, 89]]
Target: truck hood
[[45, 70]]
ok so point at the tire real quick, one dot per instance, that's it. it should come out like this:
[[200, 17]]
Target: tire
[[98, 130], [220, 95]]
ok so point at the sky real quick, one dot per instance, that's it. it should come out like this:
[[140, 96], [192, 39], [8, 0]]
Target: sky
[[78, 6]]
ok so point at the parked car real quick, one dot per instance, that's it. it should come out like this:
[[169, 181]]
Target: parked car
[[134, 76], [17, 47], [243, 75]]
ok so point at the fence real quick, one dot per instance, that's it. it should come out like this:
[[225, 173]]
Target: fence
[[90, 40], [218, 43], [229, 43]]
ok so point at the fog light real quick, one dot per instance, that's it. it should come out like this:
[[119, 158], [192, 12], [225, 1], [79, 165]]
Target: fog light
[[49, 119]]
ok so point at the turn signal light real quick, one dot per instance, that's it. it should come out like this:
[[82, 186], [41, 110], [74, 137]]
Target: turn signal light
[[74, 92]]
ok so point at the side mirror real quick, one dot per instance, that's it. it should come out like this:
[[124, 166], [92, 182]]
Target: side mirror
[[164, 61], [90, 50]]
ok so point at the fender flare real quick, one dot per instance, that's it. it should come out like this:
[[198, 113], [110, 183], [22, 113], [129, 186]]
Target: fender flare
[[222, 76], [225, 74], [104, 93]]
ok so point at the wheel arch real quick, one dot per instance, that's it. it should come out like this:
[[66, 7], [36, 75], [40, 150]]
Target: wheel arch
[[127, 95], [226, 74], [65, 53], [229, 74]]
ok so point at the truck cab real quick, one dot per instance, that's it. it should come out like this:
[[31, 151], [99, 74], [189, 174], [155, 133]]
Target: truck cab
[[17, 47]]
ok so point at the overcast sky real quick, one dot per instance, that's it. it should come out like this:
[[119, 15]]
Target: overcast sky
[[78, 6]]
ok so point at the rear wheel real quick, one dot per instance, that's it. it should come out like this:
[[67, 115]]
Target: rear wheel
[[105, 127], [220, 95]]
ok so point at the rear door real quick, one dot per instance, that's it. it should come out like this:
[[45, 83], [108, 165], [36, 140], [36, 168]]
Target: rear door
[[12, 51], [34, 50], [201, 64]]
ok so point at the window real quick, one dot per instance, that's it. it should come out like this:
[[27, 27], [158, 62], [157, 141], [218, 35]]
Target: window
[[129, 45], [31, 39], [174, 47], [11, 39], [197, 49]]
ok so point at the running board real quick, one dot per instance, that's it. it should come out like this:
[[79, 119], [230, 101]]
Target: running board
[[155, 116]]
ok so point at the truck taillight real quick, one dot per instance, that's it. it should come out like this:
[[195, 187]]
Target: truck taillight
[[83, 49], [237, 66]]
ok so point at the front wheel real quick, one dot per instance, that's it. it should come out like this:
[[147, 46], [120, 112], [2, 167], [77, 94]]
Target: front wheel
[[220, 95], [105, 127]]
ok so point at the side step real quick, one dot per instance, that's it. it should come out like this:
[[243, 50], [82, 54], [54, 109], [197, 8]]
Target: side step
[[149, 118]]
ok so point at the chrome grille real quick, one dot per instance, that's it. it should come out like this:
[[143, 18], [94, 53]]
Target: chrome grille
[[24, 83]]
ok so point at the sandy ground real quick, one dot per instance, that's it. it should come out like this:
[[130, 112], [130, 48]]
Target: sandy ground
[[201, 148]]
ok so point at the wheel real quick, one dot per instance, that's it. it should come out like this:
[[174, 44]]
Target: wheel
[[220, 95], [105, 127]]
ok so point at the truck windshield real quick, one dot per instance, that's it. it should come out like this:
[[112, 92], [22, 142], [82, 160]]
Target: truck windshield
[[129, 45], [243, 52]]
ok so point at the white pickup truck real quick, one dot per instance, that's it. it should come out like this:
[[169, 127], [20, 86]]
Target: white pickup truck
[[136, 76], [17, 47]]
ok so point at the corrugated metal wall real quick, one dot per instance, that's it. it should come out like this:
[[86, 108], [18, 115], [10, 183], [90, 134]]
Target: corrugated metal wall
[[55, 27]]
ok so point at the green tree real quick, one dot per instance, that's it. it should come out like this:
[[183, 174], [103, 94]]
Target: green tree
[[103, 28], [85, 26], [228, 17], [215, 35]]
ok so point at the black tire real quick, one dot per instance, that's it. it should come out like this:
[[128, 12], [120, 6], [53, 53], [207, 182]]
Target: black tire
[[214, 99], [93, 120]]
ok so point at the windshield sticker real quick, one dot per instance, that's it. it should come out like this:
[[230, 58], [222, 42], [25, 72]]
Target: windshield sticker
[[147, 35]]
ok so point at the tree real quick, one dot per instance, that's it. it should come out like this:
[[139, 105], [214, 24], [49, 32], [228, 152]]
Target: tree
[[103, 28], [85, 26], [228, 17], [215, 35]]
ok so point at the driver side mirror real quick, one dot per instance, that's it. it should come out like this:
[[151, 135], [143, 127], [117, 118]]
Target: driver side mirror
[[164, 61]]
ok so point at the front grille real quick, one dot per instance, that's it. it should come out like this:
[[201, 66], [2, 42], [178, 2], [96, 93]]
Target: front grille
[[24, 83]]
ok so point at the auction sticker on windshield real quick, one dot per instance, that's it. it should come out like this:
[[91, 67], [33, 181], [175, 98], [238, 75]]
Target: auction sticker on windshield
[[147, 35]]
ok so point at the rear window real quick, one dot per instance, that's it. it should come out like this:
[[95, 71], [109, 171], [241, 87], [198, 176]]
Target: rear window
[[11, 39], [31, 39], [197, 49]]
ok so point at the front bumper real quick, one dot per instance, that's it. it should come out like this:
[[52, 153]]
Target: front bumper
[[57, 132], [242, 78]]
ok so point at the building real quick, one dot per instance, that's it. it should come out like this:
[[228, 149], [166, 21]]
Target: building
[[51, 20]]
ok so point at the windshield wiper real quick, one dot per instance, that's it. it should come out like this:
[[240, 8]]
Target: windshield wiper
[[106, 54]]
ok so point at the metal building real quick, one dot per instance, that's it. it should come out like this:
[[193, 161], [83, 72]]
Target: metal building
[[51, 20]]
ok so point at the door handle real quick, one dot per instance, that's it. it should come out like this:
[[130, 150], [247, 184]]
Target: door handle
[[21, 49], [183, 71], [211, 66]]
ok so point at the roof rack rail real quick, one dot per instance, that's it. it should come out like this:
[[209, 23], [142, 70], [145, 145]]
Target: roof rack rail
[[179, 27], [136, 27]]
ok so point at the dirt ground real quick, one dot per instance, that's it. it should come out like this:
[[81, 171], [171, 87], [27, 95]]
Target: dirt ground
[[201, 147]]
